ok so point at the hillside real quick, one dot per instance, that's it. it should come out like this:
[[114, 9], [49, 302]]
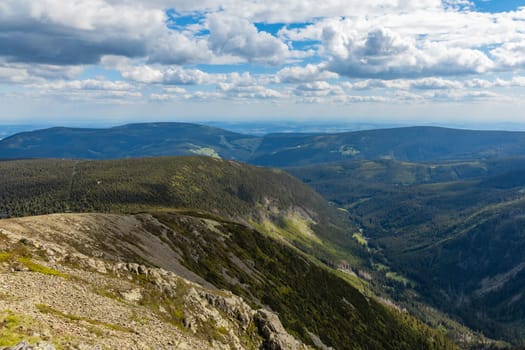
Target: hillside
[[451, 231], [414, 144], [119, 263], [133, 140], [268, 199], [64, 297]]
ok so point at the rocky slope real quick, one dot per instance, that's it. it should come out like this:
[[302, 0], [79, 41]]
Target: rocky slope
[[161, 280], [54, 295]]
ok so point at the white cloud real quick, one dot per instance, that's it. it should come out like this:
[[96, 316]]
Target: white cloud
[[510, 55], [88, 84], [246, 86], [238, 37], [383, 53], [333, 52], [318, 89], [177, 48], [308, 73], [168, 75]]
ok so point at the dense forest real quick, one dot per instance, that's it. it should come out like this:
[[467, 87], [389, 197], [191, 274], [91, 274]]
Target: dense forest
[[452, 231]]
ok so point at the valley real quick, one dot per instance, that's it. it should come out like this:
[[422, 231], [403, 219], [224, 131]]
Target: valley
[[453, 229]]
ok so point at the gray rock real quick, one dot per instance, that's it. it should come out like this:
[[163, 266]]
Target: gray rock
[[273, 332], [24, 345]]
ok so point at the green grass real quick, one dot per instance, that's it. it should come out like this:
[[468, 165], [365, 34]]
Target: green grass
[[5, 256], [14, 329], [358, 236], [35, 267], [394, 276]]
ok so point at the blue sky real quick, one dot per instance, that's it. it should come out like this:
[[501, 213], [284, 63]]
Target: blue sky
[[497, 5], [111, 61]]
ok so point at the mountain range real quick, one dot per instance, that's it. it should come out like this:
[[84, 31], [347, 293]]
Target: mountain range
[[413, 144], [401, 238]]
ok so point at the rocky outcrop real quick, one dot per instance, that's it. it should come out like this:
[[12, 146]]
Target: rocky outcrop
[[273, 332], [55, 294]]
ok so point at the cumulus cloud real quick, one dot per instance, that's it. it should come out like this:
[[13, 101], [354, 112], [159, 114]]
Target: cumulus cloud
[[88, 84], [510, 55], [250, 92], [431, 83], [169, 75], [180, 49], [76, 32], [383, 53], [238, 37], [245, 86], [318, 89], [335, 51], [308, 73], [23, 73]]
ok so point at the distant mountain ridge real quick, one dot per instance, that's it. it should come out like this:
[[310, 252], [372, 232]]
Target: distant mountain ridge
[[414, 144], [128, 141]]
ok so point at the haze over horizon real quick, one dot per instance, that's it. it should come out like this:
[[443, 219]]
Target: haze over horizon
[[109, 62]]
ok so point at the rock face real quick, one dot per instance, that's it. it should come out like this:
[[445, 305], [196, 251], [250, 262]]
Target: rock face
[[51, 293], [274, 334]]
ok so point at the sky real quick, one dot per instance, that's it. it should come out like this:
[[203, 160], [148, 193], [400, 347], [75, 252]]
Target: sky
[[406, 61]]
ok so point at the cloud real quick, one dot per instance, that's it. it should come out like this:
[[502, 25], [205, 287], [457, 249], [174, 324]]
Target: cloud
[[246, 86], [23, 73], [236, 36], [176, 48], [76, 32], [290, 11], [88, 84], [168, 75], [385, 54], [84, 31], [308, 73], [318, 89], [510, 55], [283, 51]]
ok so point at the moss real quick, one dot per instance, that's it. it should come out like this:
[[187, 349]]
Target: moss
[[14, 329], [5, 256], [33, 266]]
